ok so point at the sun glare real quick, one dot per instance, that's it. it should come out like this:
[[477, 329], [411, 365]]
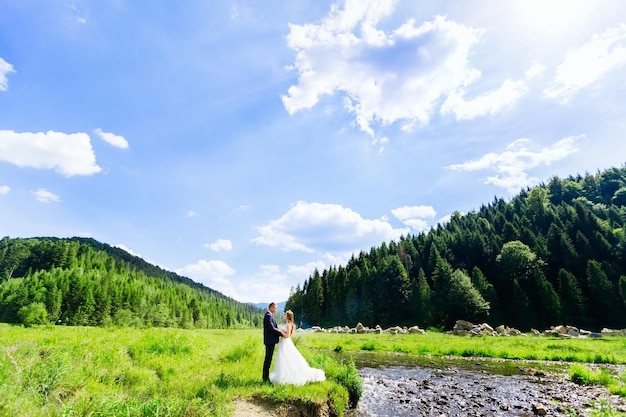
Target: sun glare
[[551, 15]]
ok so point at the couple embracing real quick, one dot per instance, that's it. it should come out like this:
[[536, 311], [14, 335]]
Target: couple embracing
[[290, 367]]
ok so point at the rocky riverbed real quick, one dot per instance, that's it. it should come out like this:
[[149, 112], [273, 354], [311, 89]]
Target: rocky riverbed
[[412, 386], [462, 391]]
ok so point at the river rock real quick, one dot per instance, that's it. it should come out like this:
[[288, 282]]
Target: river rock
[[416, 329], [613, 332]]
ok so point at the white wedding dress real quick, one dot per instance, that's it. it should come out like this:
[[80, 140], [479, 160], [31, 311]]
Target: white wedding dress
[[291, 367]]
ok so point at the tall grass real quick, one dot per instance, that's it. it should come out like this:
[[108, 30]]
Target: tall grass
[[616, 384], [73, 371], [76, 371], [610, 350]]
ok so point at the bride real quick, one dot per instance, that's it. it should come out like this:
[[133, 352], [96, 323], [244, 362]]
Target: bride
[[291, 367]]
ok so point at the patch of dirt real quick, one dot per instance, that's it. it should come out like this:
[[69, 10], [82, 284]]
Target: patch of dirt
[[253, 408], [245, 407]]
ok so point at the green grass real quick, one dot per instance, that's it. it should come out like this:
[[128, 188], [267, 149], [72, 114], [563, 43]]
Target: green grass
[[59, 371], [606, 350], [81, 371], [616, 384]]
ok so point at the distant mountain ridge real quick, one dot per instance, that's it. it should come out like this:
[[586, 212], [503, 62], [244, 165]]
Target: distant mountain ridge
[[263, 306]]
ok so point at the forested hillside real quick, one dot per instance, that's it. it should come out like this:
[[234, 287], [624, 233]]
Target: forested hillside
[[554, 254], [81, 281]]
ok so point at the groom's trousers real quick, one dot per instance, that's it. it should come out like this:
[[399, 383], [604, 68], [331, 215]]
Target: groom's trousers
[[269, 352]]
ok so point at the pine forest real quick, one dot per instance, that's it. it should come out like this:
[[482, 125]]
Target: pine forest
[[81, 281], [553, 254]]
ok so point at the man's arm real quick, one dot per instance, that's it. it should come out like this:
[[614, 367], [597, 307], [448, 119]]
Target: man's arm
[[274, 326]]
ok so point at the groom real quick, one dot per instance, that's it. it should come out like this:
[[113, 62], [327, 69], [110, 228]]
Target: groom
[[271, 335]]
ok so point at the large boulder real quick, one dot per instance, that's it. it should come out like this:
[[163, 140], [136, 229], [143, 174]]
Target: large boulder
[[416, 329], [360, 328], [463, 325]]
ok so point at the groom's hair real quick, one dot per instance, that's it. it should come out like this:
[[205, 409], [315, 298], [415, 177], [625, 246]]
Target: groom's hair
[[271, 304]]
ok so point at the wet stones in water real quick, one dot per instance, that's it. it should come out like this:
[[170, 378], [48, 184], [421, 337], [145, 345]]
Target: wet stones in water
[[400, 391]]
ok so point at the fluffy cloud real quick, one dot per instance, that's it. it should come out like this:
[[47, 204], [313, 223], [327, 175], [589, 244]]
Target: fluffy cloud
[[4, 189], [512, 164], [585, 65], [485, 104], [213, 274], [220, 245], [67, 154], [271, 283], [414, 216], [46, 196], [5, 68], [309, 227], [127, 249], [112, 139], [387, 77]]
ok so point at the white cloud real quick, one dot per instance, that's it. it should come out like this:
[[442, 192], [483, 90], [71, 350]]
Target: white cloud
[[535, 69], [67, 154], [387, 77], [407, 212], [212, 274], [445, 219], [270, 283], [4, 189], [589, 63], [302, 272], [316, 227], [512, 164], [220, 245], [5, 68], [272, 272], [485, 104], [255, 291], [112, 139], [191, 214], [46, 196], [127, 249], [414, 216]]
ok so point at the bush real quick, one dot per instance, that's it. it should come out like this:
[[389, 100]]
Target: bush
[[34, 313]]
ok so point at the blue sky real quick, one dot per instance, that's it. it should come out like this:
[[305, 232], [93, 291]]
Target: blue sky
[[245, 143]]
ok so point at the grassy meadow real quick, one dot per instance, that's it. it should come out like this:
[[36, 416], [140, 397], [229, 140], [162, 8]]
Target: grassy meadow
[[610, 350], [87, 371]]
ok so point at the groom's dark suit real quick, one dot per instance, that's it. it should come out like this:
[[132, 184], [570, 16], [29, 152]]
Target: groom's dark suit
[[271, 336]]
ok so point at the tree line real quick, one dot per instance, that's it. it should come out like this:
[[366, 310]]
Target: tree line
[[81, 281], [553, 254]]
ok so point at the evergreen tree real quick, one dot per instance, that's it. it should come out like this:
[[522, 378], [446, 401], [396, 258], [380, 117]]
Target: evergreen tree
[[573, 300], [602, 294]]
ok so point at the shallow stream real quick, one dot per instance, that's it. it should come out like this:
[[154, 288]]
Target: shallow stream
[[405, 385]]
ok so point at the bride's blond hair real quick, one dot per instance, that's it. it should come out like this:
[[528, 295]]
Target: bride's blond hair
[[289, 315]]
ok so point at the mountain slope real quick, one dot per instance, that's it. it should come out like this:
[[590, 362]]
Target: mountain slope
[[553, 254], [80, 281]]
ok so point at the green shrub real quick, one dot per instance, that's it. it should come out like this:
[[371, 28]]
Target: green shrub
[[34, 313], [369, 346]]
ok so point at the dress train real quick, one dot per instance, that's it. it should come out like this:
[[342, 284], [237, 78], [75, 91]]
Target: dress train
[[291, 367]]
